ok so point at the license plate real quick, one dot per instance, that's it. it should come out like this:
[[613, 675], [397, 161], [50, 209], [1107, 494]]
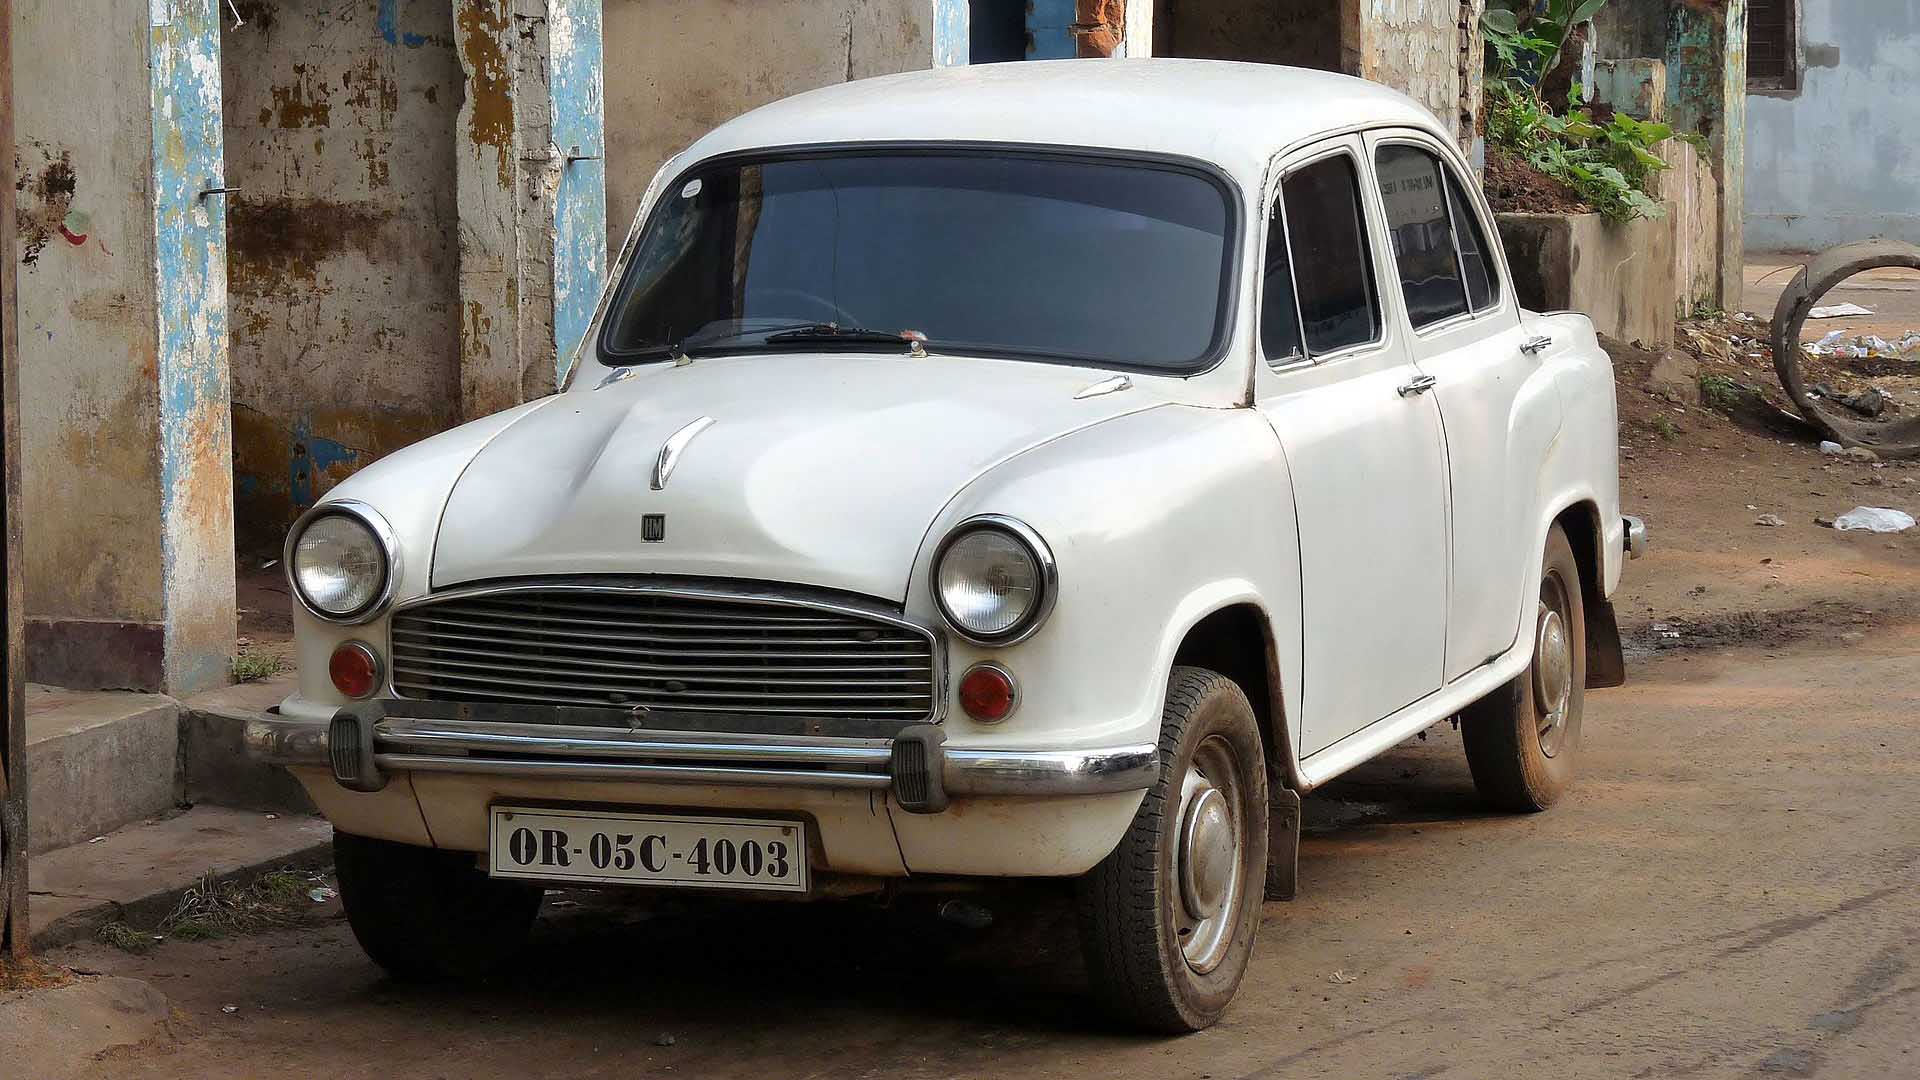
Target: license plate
[[589, 846]]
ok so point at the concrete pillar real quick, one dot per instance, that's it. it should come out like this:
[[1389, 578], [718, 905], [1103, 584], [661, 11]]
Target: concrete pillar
[[1706, 54], [532, 208], [122, 299]]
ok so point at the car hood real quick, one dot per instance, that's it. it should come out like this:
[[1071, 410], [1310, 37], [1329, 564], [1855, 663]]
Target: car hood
[[823, 470]]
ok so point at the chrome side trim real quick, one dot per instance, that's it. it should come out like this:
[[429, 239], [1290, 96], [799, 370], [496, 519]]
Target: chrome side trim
[[1105, 386], [382, 532], [1636, 536], [671, 449]]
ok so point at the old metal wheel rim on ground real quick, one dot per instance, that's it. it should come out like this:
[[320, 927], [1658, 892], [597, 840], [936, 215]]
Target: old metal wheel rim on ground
[[1552, 672], [1208, 855]]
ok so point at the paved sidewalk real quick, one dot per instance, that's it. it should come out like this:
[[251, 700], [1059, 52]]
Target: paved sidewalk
[[139, 872]]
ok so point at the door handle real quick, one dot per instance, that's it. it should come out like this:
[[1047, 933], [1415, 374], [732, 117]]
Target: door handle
[[1534, 346], [1420, 385]]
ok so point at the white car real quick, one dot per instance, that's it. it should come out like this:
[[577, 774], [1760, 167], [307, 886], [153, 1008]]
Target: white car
[[1033, 470]]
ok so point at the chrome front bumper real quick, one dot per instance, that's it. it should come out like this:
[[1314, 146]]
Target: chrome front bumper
[[362, 746]]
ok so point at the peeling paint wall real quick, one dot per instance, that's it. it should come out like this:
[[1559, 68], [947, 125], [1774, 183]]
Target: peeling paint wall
[[1836, 161], [190, 264], [577, 91], [681, 67], [343, 258], [1414, 46], [90, 411]]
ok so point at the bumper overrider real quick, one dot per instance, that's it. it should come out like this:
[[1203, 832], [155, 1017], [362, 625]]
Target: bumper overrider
[[364, 744]]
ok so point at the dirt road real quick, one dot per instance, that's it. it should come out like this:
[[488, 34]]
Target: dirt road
[[1733, 890]]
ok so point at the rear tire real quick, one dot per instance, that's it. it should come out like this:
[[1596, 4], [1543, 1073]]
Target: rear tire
[[1521, 739], [424, 914], [1167, 921]]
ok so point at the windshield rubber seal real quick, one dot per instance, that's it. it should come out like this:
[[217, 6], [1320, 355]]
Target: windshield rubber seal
[[1224, 310]]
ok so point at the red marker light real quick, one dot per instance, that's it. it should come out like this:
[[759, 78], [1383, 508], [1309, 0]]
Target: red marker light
[[988, 693], [355, 669]]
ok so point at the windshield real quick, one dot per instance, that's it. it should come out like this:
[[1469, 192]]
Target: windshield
[[995, 252]]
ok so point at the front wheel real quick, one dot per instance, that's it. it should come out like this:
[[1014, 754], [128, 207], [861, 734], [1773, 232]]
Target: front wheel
[[1167, 920], [422, 913], [1521, 739]]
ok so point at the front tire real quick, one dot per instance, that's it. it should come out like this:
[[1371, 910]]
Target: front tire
[[1521, 739], [1167, 921], [426, 914]]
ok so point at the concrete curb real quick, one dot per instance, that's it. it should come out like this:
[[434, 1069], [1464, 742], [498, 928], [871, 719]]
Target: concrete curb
[[139, 873]]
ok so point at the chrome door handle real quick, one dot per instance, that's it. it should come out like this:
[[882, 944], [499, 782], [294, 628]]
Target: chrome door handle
[[1536, 345], [1420, 385]]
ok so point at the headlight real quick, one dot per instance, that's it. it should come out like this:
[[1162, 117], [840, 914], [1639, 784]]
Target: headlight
[[340, 560], [994, 580]]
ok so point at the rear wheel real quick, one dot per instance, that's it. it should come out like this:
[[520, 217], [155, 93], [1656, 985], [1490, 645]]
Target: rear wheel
[[1167, 921], [1521, 739], [423, 913]]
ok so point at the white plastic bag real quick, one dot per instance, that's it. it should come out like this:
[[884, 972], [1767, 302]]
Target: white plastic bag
[[1873, 519]]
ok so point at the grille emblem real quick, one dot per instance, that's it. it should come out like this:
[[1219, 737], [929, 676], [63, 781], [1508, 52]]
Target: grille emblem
[[653, 528]]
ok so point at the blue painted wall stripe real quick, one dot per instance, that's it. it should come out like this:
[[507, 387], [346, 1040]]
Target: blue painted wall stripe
[[951, 31], [1050, 24], [580, 203]]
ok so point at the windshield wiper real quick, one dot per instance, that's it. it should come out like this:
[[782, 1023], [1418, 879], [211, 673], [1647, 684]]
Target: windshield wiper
[[834, 333]]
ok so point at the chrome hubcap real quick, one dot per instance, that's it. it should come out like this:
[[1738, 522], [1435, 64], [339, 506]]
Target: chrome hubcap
[[1208, 856], [1552, 669]]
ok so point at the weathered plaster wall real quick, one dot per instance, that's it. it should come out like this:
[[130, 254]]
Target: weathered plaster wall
[[1837, 161], [343, 243], [1414, 46], [1621, 275], [90, 410], [678, 68]]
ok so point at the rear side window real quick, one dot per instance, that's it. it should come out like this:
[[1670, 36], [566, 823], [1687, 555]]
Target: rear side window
[[1328, 245], [1473, 247], [1414, 192]]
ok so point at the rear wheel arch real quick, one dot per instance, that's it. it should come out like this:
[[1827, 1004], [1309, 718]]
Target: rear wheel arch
[[1237, 641], [1587, 536]]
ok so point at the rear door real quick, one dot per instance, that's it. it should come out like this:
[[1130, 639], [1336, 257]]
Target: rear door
[[1499, 405], [1363, 443]]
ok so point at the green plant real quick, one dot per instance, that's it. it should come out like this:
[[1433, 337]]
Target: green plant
[[252, 667], [125, 938], [1526, 38], [1664, 428], [1721, 392]]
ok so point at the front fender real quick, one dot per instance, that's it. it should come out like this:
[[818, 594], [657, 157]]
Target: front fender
[[1156, 519]]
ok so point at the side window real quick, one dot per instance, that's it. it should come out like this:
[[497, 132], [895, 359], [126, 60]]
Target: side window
[[1414, 191], [1328, 238], [1279, 318], [1481, 291]]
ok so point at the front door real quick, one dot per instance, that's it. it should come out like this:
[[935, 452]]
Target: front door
[[1364, 446]]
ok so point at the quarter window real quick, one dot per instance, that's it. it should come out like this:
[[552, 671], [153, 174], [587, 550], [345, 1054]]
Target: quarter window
[[1414, 192], [1328, 240], [1279, 318], [1473, 247]]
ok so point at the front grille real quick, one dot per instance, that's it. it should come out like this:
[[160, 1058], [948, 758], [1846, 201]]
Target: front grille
[[679, 651]]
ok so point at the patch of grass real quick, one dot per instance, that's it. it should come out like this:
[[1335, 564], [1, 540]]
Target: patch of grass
[[126, 938], [1664, 428], [1721, 392], [252, 667]]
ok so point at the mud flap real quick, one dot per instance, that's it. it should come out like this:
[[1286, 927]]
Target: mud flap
[[1606, 664], [1283, 843]]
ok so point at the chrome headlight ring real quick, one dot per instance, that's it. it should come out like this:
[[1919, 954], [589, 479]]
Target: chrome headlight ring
[[1047, 575], [383, 536]]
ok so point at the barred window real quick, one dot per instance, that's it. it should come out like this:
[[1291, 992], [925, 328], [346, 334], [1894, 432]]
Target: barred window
[[1773, 45]]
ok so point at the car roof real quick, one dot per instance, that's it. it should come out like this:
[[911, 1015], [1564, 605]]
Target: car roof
[[1234, 115]]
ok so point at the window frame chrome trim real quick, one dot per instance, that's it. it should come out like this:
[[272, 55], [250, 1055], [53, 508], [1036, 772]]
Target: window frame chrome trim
[[731, 593], [383, 534]]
